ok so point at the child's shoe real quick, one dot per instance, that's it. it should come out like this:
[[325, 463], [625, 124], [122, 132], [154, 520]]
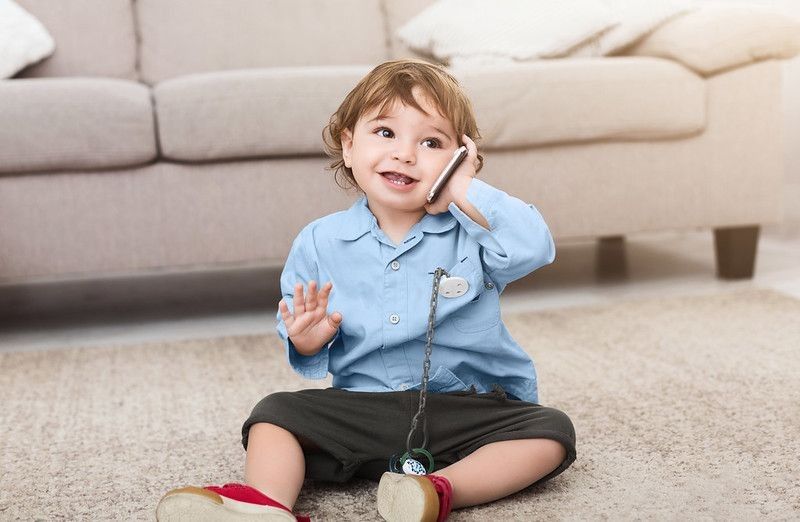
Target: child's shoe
[[231, 502], [414, 498]]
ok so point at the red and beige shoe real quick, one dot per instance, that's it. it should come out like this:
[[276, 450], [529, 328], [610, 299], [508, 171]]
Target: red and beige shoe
[[414, 498], [231, 502]]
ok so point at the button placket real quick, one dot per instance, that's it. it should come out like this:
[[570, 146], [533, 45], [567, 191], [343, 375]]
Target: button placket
[[395, 265], [395, 300]]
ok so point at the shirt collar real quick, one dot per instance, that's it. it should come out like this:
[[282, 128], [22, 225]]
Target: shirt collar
[[359, 219]]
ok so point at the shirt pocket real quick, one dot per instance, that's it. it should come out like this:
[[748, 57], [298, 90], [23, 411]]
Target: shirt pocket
[[483, 311]]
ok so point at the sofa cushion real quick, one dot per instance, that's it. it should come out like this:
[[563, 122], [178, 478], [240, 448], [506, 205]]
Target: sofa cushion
[[93, 38], [249, 113], [181, 37], [557, 101], [636, 20], [281, 111], [462, 30], [719, 37], [74, 123]]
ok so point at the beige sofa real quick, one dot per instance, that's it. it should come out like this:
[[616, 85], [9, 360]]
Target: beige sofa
[[174, 135]]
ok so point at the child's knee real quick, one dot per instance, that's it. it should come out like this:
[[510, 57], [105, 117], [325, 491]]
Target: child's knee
[[560, 421], [267, 430], [265, 434], [277, 404], [268, 410], [555, 449]]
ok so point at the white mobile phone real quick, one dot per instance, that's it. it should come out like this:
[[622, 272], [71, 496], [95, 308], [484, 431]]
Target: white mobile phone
[[458, 157]]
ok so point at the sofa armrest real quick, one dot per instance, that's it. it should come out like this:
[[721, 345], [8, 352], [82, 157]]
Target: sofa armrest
[[715, 38]]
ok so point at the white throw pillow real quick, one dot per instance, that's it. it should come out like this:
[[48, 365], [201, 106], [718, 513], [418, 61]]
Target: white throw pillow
[[480, 31], [719, 36], [23, 39], [637, 19]]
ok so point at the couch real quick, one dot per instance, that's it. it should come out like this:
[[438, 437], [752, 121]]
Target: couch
[[185, 135]]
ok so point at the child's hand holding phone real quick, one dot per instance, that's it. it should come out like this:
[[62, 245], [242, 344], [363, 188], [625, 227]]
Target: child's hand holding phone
[[451, 185], [310, 327]]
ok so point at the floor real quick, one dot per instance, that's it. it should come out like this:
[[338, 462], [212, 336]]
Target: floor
[[245, 301]]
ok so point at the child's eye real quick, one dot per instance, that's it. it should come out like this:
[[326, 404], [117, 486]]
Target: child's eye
[[382, 130], [436, 143]]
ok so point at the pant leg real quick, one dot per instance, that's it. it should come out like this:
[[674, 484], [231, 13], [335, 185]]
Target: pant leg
[[349, 428], [358, 432], [460, 423]]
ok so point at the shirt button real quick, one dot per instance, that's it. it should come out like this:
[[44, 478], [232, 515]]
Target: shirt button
[[395, 264], [489, 286], [394, 318]]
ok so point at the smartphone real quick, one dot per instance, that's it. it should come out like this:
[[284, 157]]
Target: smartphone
[[441, 181]]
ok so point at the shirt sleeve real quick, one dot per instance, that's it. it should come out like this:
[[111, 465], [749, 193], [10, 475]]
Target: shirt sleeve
[[301, 267], [519, 241]]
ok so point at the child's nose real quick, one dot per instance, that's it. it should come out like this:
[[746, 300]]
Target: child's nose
[[405, 153]]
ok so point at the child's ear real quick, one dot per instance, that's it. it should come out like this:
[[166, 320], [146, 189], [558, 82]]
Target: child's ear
[[347, 146]]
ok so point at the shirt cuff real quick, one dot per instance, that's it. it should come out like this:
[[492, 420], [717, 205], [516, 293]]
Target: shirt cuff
[[309, 366], [486, 199]]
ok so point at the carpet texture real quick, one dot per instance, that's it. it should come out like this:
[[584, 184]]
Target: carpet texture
[[684, 408]]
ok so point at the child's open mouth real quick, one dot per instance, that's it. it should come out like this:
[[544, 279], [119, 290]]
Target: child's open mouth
[[398, 180]]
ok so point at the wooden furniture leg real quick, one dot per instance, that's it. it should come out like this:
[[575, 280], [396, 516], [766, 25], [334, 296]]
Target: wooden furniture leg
[[735, 249]]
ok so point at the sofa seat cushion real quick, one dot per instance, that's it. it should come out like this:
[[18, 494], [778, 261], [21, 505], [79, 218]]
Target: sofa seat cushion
[[562, 101], [250, 113], [74, 123]]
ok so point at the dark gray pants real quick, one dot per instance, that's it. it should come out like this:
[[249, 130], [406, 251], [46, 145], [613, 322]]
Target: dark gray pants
[[346, 434]]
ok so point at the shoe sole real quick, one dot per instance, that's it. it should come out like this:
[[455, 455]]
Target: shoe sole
[[201, 505], [407, 498]]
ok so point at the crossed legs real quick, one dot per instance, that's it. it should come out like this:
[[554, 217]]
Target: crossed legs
[[275, 465]]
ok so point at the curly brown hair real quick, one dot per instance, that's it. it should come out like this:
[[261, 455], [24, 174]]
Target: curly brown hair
[[386, 83]]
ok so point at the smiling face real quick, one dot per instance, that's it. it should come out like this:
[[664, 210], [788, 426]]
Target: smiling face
[[396, 157]]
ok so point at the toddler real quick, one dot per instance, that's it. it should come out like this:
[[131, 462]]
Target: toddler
[[358, 288]]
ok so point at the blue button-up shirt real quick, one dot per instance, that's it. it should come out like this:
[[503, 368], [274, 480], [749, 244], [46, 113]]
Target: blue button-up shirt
[[383, 292]]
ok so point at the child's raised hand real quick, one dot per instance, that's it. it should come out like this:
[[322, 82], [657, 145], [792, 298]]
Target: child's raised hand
[[310, 328]]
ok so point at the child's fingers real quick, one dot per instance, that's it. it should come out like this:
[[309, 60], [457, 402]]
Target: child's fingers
[[324, 293], [335, 319], [326, 290], [286, 315], [295, 324], [472, 149], [299, 299], [311, 299]]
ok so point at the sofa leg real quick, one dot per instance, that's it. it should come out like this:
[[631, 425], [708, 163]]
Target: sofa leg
[[735, 249], [610, 260]]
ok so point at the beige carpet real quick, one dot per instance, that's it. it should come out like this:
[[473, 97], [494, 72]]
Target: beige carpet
[[684, 408]]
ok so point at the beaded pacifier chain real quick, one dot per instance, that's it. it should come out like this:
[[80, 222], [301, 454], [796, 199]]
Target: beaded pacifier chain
[[407, 462]]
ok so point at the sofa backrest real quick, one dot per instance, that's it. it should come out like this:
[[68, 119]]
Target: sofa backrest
[[398, 12], [93, 38], [179, 37]]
